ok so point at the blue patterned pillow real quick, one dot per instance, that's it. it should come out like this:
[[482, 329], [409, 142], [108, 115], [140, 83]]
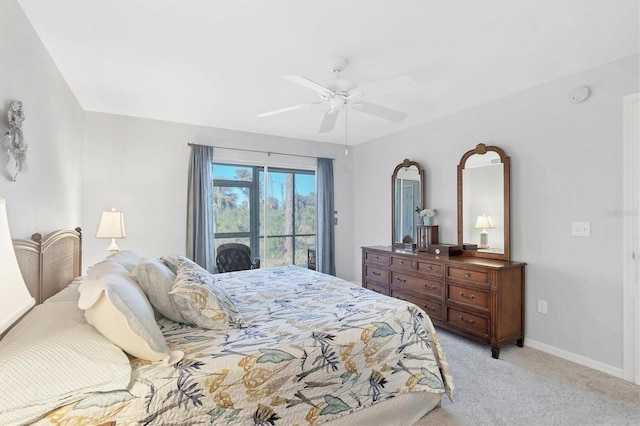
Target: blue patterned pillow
[[202, 300]]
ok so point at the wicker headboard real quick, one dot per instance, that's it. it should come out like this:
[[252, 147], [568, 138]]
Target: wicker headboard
[[49, 264]]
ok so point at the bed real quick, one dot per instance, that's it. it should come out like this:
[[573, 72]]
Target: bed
[[308, 348]]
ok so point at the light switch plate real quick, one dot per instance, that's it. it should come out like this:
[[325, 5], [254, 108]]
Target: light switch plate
[[581, 229], [542, 306]]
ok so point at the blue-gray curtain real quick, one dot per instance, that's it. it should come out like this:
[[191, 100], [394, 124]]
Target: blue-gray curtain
[[325, 257], [200, 224]]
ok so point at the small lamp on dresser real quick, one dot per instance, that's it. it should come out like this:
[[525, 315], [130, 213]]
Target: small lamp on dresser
[[15, 299], [112, 226], [484, 222]]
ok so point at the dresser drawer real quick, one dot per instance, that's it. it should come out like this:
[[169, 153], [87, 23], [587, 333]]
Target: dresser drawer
[[417, 285], [432, 308], [471, 323], [469, 275], [473, 297], [376, 287], [402, 263], [428, 268], [375, 258], [425, 268], [375, 273]]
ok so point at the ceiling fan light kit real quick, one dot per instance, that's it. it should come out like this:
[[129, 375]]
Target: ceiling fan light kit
[[339, 92]]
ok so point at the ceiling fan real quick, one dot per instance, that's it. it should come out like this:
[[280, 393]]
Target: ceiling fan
[[338, 92]]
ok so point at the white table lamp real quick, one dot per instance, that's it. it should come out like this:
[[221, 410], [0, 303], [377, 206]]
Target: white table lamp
[[484, 222], [112, 226], [15, 299]]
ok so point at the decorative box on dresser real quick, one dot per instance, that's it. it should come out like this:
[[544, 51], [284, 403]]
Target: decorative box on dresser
[[482, 299]]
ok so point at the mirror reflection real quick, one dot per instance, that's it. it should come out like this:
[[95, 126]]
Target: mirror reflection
[[483, 202], [407, 196]]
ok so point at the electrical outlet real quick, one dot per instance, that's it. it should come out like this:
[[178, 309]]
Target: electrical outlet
[[581, 229], [542, 306]]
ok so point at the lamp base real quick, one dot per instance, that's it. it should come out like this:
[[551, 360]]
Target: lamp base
[[113, 247], [484, 239]]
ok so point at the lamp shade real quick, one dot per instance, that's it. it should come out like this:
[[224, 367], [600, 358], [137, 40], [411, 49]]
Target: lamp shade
[[484, 222], [111, 225], [15, 299]]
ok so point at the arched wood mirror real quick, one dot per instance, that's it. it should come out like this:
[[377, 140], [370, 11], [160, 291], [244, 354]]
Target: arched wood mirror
[[483, 202], [407, 194]]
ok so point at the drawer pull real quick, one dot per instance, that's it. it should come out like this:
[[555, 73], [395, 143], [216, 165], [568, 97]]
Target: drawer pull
[[473, 296], [461, 318], [402, 262], [429, 268], [429, 308], [377, 274], [433, 287], [467, 275], [377, 258], [402, 280]]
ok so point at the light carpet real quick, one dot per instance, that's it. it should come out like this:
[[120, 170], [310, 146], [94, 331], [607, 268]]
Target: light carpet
[[529, 387]]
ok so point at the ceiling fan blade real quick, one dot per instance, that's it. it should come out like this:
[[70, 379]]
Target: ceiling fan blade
[[380, 111], [403, 81], [309, 84], [291, 108], [329, 121]]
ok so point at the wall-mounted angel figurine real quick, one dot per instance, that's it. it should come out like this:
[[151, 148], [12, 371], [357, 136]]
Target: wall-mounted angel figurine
[[17, 148]]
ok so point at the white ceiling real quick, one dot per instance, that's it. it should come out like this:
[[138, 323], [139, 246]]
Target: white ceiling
[[219, 63]]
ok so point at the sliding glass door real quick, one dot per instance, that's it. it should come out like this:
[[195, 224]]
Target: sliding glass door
[[290, 210], [235, 205], [273, 211]]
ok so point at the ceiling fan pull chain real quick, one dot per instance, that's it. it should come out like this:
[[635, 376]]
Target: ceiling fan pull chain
[[346, 131]]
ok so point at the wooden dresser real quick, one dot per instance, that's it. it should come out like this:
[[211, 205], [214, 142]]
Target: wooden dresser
[[482, 299]]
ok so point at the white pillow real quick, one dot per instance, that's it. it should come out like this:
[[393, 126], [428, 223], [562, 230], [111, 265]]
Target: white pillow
[[127, 258], [156, 280], [52, 357], [118, 308], [103, 268]]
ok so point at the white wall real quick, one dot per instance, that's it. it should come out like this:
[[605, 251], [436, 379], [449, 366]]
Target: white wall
[[46, 195], [140, 167], [566, 165]]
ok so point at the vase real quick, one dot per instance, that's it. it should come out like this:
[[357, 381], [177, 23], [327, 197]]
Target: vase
[[427, 220]]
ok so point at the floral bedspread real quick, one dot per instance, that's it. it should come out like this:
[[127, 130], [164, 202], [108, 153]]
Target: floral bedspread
[[314, 348]]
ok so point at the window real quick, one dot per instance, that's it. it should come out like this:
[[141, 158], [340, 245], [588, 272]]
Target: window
[[272, 210]]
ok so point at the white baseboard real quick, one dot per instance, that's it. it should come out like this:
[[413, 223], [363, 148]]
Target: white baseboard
[[578, 359]]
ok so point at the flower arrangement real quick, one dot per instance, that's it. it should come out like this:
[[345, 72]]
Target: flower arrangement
[[427, 215], [426, 212]]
